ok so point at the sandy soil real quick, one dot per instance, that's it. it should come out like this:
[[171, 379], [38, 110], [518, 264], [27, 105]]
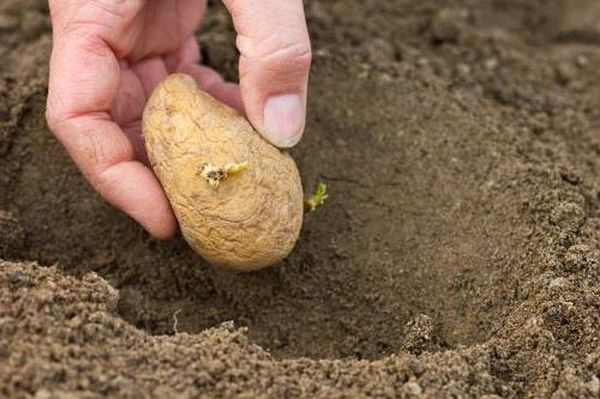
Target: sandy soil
[[458, 255]]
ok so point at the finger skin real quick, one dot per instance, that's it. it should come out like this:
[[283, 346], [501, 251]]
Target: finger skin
[[107, 58], [84, 80], [210, 81], [275, 55]]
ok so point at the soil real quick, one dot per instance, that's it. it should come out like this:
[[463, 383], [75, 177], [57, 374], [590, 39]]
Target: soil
[[457, 256]]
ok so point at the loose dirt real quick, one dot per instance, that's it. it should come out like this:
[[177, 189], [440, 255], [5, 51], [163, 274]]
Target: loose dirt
[[458, 253]]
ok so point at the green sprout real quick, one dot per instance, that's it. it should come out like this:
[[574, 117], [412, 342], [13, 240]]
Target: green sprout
[[214, 175], [317, 199], [234, 168]]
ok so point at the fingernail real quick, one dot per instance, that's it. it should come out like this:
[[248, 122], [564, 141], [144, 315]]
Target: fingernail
[[283, 120]]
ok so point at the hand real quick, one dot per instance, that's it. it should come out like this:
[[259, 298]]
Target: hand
[[108, 55]]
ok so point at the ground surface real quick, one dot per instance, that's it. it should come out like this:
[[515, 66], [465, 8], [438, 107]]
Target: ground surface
[[457, 255]]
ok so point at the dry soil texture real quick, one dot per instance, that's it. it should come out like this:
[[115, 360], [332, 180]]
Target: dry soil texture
[[458, 254]]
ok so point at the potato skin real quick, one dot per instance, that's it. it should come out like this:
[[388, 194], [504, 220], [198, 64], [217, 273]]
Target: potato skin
[[254, 217]]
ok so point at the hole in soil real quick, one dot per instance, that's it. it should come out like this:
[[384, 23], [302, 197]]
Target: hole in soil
[[412, 251]]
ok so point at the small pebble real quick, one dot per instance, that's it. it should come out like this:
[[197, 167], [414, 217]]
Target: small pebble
[[463, 69], [490, 64], [413, 388], [581, 61]]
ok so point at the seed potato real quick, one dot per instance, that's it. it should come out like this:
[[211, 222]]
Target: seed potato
[[238, 199]]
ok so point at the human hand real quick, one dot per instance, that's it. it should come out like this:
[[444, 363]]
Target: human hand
[[108, 55]]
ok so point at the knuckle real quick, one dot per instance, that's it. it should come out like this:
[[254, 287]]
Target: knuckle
[[102, 182], [99, 16], [290, 50], [289, 64], [53, 117], [76, 27], [95, 16], [283, 53], [85, 34], [298, 53], [55, 114]]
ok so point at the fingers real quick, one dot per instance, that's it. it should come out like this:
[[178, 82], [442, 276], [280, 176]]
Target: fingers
[[168, 23], [107, 158], [84, 80], [112, 21], [210, 81], [274, 65], [151, 72], [186, 60], [130, 100], [188, 53]]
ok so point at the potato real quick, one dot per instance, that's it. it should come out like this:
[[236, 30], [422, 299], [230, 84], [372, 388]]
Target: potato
[[238, 199]]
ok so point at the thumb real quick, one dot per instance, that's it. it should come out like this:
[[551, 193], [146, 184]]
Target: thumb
[[275, 57]]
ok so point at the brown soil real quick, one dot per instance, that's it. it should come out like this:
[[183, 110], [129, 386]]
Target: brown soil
[[458, 254]]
